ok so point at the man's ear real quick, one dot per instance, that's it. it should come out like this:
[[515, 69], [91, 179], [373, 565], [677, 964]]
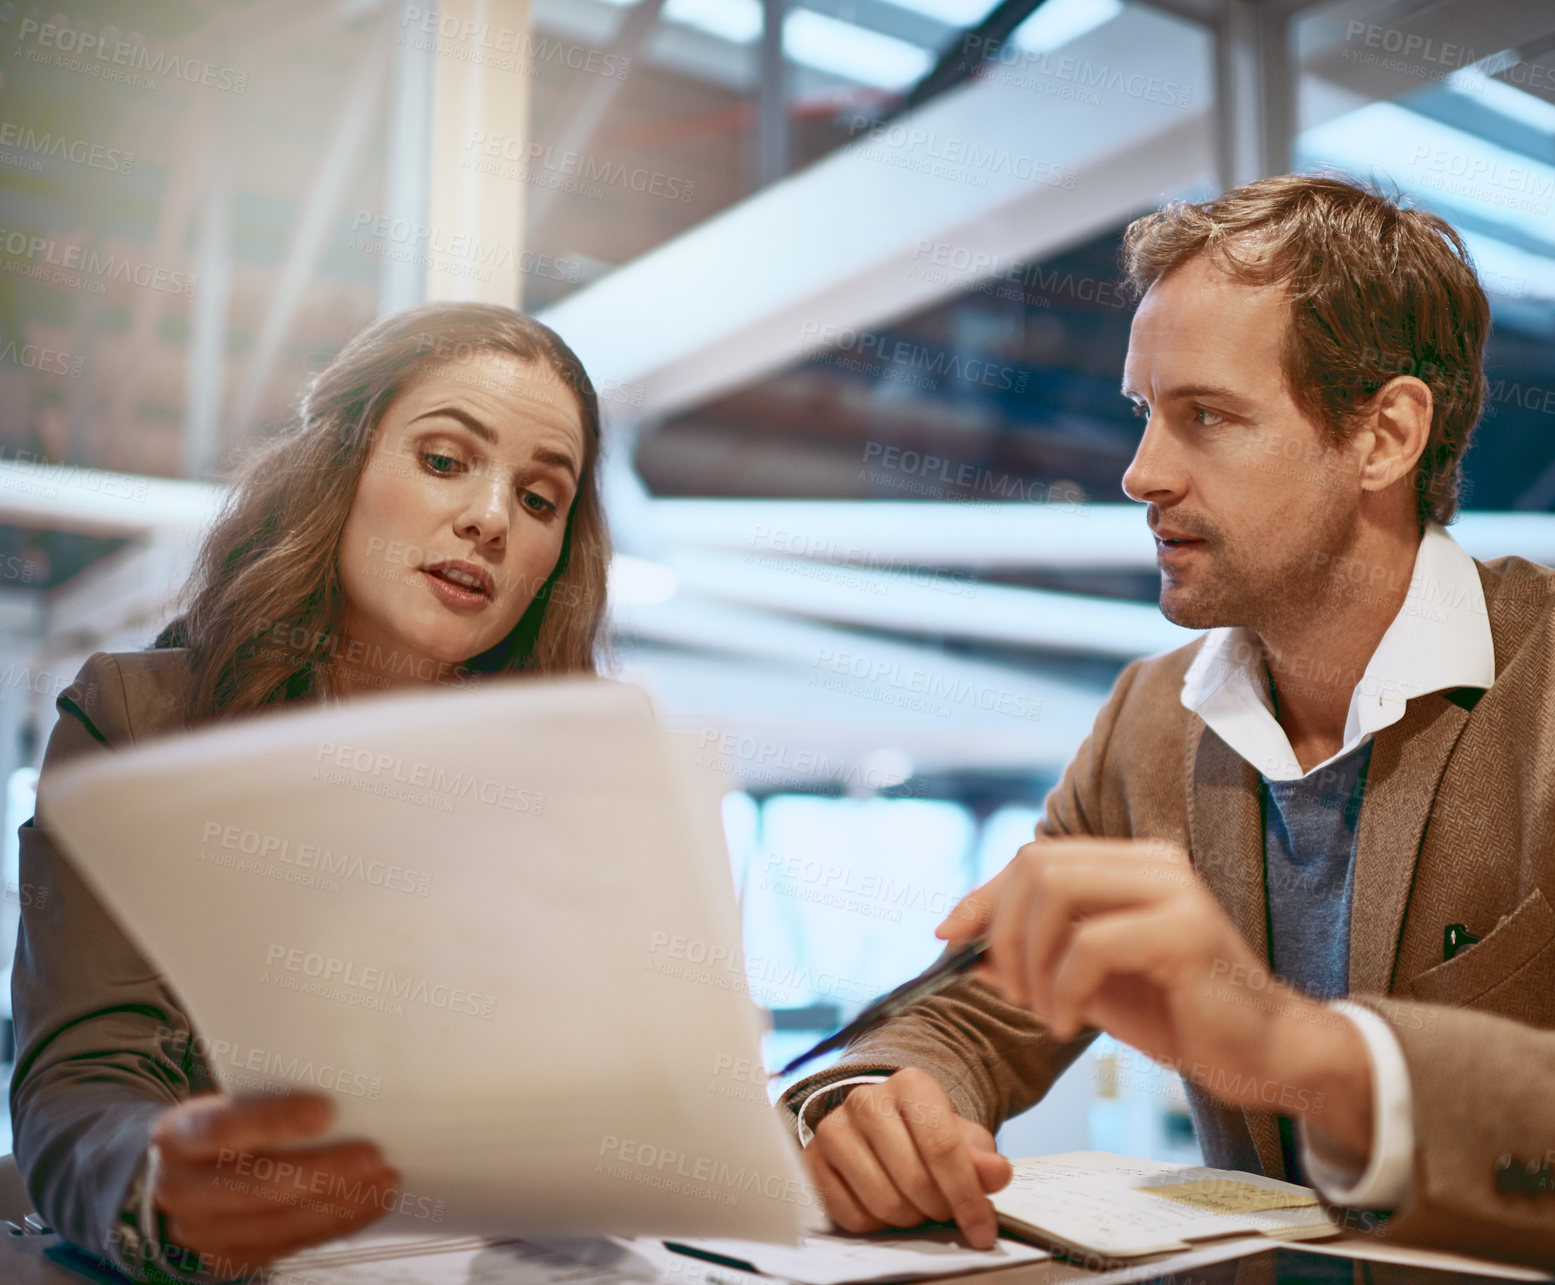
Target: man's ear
[[1400, 422]]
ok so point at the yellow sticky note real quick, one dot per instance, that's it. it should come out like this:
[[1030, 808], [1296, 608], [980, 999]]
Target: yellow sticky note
[[1224, 1196]]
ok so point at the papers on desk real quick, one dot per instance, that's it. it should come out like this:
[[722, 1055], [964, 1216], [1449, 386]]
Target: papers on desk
[[823, 1258], [1095, 1203], [496, 927], [399, 1260]]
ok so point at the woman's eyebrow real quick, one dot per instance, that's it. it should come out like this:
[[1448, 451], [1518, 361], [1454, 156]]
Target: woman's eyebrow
[[464, 417], [558, 459], [542, 455]]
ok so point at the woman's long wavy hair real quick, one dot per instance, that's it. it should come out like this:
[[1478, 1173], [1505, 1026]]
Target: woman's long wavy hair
[[261, 610]]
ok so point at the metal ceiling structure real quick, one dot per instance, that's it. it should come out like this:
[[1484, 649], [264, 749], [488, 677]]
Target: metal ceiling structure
[[826, 629]]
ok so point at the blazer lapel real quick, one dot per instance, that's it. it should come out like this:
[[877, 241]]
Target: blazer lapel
[[1225, 840], [1407, 762], [1225, 831]]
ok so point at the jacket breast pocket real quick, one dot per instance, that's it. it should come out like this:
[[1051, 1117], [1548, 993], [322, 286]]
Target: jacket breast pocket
[[1510, 971]]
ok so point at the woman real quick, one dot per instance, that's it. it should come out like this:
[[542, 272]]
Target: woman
[[432, 516]]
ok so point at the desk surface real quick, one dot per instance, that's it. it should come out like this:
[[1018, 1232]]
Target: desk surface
[[23, 1262]]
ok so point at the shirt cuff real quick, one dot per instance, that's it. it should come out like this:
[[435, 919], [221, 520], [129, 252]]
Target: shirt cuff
[[141, 1237], [805, 1131], [1388, 1176]]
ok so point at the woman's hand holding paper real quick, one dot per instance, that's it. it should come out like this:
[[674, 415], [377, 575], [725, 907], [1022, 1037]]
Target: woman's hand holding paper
[[236, 1187]]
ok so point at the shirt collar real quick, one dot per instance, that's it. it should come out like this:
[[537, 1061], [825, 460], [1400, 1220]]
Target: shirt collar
[[1440, 639]]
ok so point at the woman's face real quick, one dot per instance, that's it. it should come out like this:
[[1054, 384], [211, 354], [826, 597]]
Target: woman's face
[[458, 517]]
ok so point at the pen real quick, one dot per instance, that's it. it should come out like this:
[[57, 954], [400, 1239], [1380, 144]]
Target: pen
[[933, 979]]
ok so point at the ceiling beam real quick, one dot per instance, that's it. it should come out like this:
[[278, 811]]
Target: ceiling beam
[[986, 177]]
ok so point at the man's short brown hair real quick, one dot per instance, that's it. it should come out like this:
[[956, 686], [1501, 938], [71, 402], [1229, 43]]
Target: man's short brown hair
[[1376, 289]]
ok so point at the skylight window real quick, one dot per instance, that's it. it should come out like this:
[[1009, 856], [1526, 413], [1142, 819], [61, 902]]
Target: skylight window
[[1502, 98], [958, 13], [738, 21], [1057, 22], [1447, 169], [853, 52]]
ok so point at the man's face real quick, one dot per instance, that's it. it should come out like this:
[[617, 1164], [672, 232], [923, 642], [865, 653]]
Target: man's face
[[1245, 492]]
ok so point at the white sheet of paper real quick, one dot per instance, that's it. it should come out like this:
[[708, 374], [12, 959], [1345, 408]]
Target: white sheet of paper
[[1372, 1250], [1094, 1199], [496, 927], [827, 1259], [371, 1260], [399, 1260]]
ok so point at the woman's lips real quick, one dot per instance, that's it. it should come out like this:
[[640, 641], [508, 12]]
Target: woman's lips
[[457, 596]]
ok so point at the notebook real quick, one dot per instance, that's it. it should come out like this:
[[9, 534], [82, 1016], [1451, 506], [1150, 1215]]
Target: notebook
[[1095, 1203]]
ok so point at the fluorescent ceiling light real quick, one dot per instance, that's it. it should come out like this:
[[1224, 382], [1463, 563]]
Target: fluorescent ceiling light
[[1057, 22], [1502, 98], [738, 21], [1510, 272], [1446, 169], [852, 52], [958, 13], [639, 582]]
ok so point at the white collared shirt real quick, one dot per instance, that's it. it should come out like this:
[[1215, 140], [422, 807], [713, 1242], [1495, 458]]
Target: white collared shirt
[[1439, 639]]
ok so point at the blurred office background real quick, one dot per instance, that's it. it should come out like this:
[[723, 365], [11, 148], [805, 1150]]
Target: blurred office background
[[846, 274]]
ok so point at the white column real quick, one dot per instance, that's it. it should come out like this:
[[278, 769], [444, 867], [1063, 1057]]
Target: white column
[[480, 91]]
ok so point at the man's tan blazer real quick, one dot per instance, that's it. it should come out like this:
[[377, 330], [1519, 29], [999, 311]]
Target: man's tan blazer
[[1457, 827]]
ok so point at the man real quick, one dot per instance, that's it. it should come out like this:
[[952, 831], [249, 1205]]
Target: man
[[1333, 793]]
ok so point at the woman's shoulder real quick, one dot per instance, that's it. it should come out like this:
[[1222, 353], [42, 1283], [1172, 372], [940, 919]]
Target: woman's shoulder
[[127, 696]]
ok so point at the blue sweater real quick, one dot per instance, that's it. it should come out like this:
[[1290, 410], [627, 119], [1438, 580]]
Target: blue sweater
[[1309, 829]]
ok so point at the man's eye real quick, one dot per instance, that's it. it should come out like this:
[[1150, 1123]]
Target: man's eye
[[1207, 417], [440, 464]]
